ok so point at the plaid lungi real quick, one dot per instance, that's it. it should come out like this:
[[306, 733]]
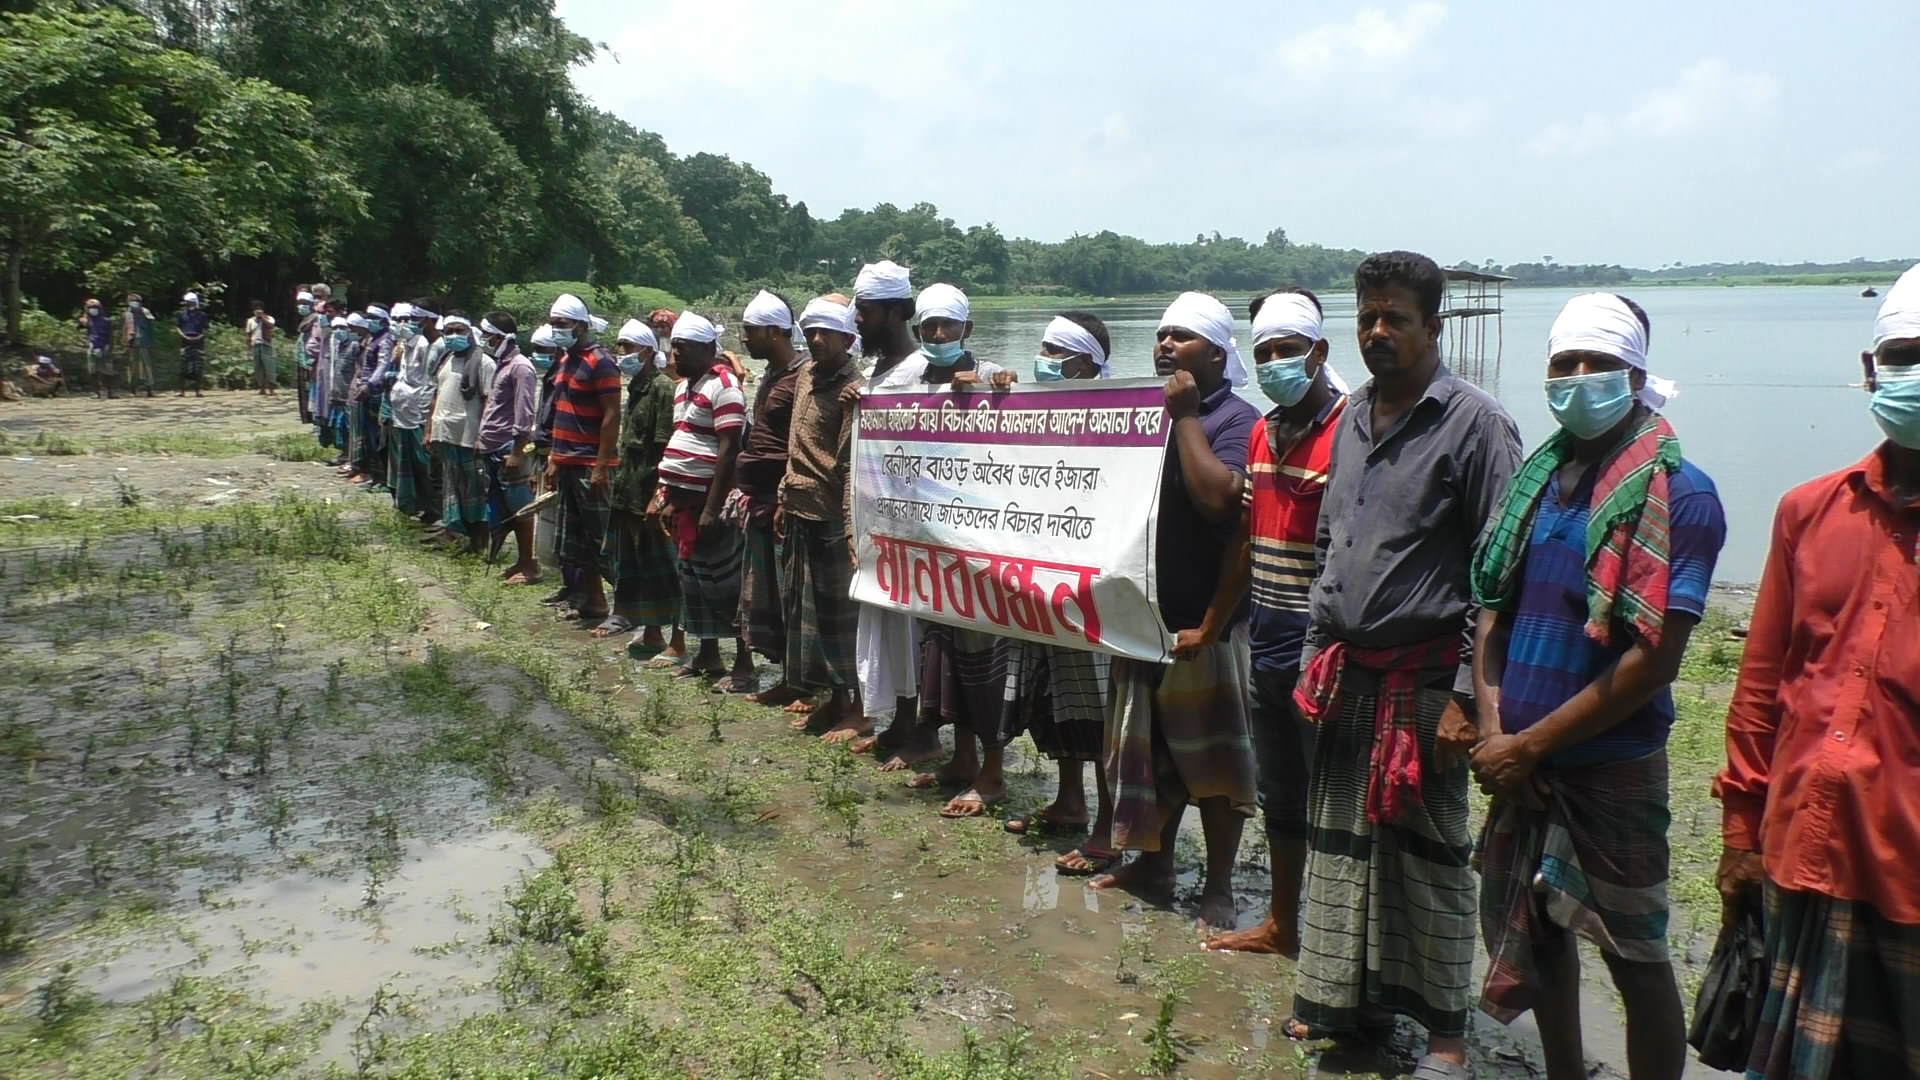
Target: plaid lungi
[[762, 616], [508, 490], [1177, 733], [646, 584], [463, 486], [1390, 908], [140, 366], [193, 362], [408, 472], [821, 618], [580, 530], [1595, 863], [100, 362], [710, 585], [1059, 696], [963, 680], [1844, 995]]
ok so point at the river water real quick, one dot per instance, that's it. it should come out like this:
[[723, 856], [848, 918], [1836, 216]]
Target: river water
[[1769, 379]]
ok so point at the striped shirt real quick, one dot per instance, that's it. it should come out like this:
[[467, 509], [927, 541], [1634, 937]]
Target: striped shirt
[[1283, 511], [585, 375], [703, 407]]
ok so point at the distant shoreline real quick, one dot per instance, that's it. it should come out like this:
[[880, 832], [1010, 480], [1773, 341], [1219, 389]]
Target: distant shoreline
[[1020, 301]]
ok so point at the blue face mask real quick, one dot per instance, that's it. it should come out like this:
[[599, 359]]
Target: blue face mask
[[133, 305], [304, 309], [943, 354], [376, 325], [630, 363], [563, 338], [1896, 404], [1589, 406], [1047, 369], [1285, 381], [458, 343], [340, 337], [542, 361]]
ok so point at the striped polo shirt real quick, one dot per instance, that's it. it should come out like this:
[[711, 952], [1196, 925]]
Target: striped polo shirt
[[1283, 517], [703, 407], [585, 375]]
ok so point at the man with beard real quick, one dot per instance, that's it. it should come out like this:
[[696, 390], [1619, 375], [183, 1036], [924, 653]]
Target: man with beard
[[1419, 462], [767, 332]]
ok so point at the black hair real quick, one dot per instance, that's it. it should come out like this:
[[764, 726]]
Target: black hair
[[901, 303], [259, 305], [502, 322], [1638, 313], [1091, 323], [1409, 270], [1253, 305]]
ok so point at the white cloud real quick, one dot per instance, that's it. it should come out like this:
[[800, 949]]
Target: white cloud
[[1705, 96], [1853, 163], [1371, 36]]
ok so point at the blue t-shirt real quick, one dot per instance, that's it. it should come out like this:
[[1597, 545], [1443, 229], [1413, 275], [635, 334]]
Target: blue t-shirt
[[193, 323], [1550, 658], [1190, 546]]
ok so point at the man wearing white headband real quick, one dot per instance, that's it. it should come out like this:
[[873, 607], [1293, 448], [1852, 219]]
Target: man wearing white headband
[[1821, 794], [1581, 632], [815, 505], [461, 374], [646, 587], [889, 642], [506, 444], [1159, 760], [586, 449], [1074, 346], [192, 324], [342, 358], [1420, 457], [696, 477], [766, 330], [1289, 454], [365, 398]]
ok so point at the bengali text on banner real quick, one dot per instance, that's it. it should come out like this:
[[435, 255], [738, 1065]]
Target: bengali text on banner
[[1028, 513]]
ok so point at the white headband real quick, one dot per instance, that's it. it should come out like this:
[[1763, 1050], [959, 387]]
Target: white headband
[[768, 310], [488, 328], [571, 308], [190, 298], [941, 301], [455, 320], [358, 321], [884, 280], [543, 336], [1603, 323], [1899, 316], [635, 332], [307, 296], [1209, 318], [402, 310], [1287, 315], [827, 315], [423, 314], [375, 311], [337, 322], [691, 327], [1064, 333]]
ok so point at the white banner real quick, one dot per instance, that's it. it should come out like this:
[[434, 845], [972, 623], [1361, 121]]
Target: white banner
[[1027, 513]]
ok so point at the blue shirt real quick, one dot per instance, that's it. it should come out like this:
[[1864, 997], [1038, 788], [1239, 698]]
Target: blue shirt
[[1550, 658], [1190, 547], [193, 323]]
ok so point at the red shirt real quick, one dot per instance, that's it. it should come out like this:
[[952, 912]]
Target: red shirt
[[1283, 493], [1823, 736], [587, 375]]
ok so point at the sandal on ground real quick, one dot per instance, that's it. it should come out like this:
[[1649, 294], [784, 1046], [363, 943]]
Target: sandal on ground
[[611, 625], [640, 650], [1373, 1028], [662, 662], [1041, 824], [1433, 1068], [1098, 861], [736, 684], [970, 804]]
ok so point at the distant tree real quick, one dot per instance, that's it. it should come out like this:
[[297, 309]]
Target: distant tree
[[1276, 239]]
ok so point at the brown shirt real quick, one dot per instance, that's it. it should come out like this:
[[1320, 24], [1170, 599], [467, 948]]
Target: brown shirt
[[763, 456], [820, 444]]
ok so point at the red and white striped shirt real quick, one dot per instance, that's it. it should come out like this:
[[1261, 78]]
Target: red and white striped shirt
[[703, 407]]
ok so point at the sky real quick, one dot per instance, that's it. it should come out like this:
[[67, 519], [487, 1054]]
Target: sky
[[1639, 132]]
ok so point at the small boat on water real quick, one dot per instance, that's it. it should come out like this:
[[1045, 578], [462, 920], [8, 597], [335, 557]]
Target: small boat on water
[[1869, 292]]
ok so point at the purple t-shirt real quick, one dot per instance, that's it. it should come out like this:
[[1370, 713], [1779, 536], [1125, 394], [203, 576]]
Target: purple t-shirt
[[1191, 547]]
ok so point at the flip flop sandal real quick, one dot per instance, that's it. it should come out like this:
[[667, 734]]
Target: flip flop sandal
[[641, 651], [1098, 860], [733, 684], [613, 624], [1041, 825], [798, 707], [696, 673], [1433, 1068], [972, 805], [663, 662]]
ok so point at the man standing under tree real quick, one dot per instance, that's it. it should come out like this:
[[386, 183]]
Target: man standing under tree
[[260, 344], [1821, 793], [192, 324], [1419, 461], [137, 336], [99, 331], [1590, 582]]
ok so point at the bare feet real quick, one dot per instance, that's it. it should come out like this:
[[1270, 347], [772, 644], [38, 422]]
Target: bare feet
[[947, 776], [844, 723], [973, 803], [865, 743], [1265, 940], [777, 695], [1145, 874], [1217, 910], [920, 747]]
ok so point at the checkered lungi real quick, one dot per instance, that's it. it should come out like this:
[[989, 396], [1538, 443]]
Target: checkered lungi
[[100, 363], [646, 583], [1059, 696], [508, 490], [580, 529], [463, 486], [762, 616], [821, 618], [408, 472], [140, 366], [193, 363], [709, 570], [1844, 993]]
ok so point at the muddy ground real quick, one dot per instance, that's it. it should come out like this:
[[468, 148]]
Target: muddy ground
[[285, 796]]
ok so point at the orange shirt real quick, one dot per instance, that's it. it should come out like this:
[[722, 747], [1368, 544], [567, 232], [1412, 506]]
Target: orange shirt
[[1823, 735]]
